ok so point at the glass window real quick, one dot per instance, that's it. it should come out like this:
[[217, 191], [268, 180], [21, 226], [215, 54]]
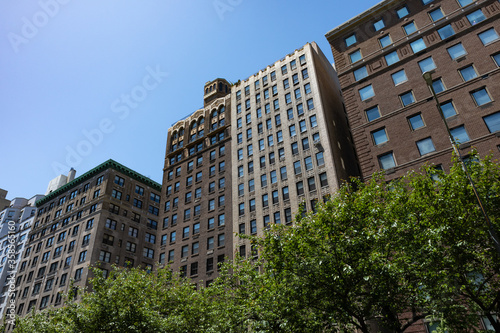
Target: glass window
[[496, 58], [350, 40], [360, 73], [418, 45], [425, 146], [385, 41], [379, 25], [475, 17], [436, 14], [416, 121], [372, 113], [410, 28], [448, 109], [427, 64], [488, 36], [399, 77], [438, 86], [468, 73], [407, 98], [493, 122], [460, 134], [391, 58], [366, 92], [402, 12], [481, 96], [425, 2], [386, 161], [379, 136], [446, 31], [464, 3], [456, 51], [355, 56]]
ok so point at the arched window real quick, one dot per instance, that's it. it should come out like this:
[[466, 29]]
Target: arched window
[[214, 114], [181, 132], [201, 121], [220, 86], [206, 91], [174, 135], [193, 126], [222, 109]]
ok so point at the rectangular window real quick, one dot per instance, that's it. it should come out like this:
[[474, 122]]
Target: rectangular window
[[488, 36], [418, 45], [456, 51], [407, 98], [379, 136], [427, 64], [402, 12], [360, 73], [378, 25], [305, 74], [475, 17], [436, 14], [438, 85], [446, 31], [410, 28], [350, 40], [372, 113], [399, 77], [366, 92], [416, 121], [355, 56], [391, 58], [493, 122], [425, 146], [460, 134], [496, 59], [385, 41], [464, 3], [386, 161], [448, 109], [481, 96], [296, 167], [310, 104], [468, 73]]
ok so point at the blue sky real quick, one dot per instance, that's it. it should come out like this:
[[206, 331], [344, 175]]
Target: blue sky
[[85, 81]]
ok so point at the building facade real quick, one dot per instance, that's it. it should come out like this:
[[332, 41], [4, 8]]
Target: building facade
[[380, 56], [109, 215], [290, 140], [197, 231], [15, 224], [257, 150]]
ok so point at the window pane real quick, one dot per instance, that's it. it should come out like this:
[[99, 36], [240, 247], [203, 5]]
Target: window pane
[[488, 36], [366, 92], [416, 122], [373, 113], [425, 2], [379, 136], [410, 28], [446, 31], [425, 146], [407, 98], [418, 45], [468, 73], [360, 73], [391, 58], [385, 41], [481, 97], [438, 86], [460, 134], [456, 51], [386, 161], [427, 64], [399, 77], [493, 122], [355, 56], [496, 58], [350, 40], [379, 25], [448, 109], [436, 14], [402, 12], [476, 17], [464, 3]]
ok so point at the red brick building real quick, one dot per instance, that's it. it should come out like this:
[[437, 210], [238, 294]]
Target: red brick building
[[380, 56]]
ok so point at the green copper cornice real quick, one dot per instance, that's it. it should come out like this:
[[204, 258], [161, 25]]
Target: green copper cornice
[[109, 164]]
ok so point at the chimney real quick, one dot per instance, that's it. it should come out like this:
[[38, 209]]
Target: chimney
[[71, 175]]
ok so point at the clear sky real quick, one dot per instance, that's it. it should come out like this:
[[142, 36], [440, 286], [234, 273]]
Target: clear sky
[[85, 81]]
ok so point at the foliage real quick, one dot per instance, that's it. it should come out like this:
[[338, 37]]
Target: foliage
[[377, 256]]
